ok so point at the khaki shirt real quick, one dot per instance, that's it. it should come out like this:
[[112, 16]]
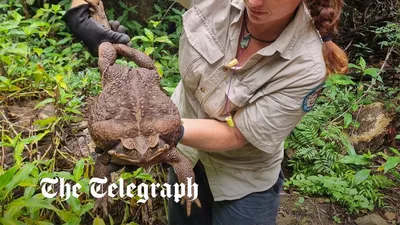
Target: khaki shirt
[[268, 95]]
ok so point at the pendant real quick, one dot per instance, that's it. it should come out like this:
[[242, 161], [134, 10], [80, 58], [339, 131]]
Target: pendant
[[244, 43]]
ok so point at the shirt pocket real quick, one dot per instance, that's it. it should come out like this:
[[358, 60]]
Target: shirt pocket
[[199, 48]]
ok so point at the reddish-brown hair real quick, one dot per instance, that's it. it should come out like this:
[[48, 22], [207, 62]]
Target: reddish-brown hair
[[326, 17]]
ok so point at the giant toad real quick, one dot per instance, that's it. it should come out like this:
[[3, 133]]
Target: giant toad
[[133, 121]]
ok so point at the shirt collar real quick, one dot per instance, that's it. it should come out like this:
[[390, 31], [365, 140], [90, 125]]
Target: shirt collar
[[287, 39]]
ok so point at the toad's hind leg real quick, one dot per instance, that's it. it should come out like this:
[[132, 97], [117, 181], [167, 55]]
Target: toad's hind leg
[[138, 57], [183, 169], [101, 172]]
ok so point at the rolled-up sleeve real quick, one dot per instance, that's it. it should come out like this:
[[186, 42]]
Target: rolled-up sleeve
[[266, 122]]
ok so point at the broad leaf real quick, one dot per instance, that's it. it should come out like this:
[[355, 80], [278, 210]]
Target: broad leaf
[[391, 163], [348, 118], [78, 170], [361, 176], [149, 34], [355, 159]]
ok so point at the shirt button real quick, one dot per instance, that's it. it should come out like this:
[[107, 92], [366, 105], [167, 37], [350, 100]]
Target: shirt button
[[202, 89]]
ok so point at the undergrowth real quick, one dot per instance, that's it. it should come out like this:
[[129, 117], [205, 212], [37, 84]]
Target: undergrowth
[[324, 161]]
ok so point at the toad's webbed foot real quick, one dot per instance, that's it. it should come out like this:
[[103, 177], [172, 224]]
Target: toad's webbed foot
[[189, 203], [101, 207], [107, 56]]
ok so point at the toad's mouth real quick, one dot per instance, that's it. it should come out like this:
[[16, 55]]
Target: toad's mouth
[[133, 156]]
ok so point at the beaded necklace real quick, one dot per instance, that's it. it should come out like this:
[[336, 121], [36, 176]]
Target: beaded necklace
[[244, 43]]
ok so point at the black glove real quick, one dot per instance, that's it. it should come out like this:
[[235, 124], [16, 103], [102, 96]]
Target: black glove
[[89, 31]]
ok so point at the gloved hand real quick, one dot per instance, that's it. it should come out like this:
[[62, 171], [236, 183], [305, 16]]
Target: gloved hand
[[91, 32]]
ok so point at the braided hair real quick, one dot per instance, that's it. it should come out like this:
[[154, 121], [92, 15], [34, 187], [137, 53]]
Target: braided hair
[[326, 17]]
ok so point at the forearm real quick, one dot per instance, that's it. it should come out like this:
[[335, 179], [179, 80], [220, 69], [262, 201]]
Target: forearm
[[77, 2], [211, 135]]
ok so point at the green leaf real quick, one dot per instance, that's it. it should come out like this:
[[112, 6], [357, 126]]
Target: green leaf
[[65, 175], [18, 153], [142, 38], [5, 80], [38, 51], [69, 217], [361, 176], [354, 107], [149, 50], [10, 221], [33, 202], [21, 175], [395, 151], [76, 111], [86, 208], [78, 170], [35, 138], [64, 40], [159, 68], [348, 118], [19, 49], [44, 223], [351, 65], [123, 5], [74, 203], [13, 88], [30, 2], [84, 182], [391, 163], [44, 102], [170, 90], [363, 64], [355, 160], [13, 212], [56, 8], [16, 15], [6, 177], [353, 191], [98, 221], [29, 182], [341, 80], [373, 72], [46, 121], [29, 191], [145, 176], [398, 137], [149, 34], [163, 39]]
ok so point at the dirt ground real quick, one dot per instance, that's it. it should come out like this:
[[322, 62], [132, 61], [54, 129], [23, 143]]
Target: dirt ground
[[320, 211]]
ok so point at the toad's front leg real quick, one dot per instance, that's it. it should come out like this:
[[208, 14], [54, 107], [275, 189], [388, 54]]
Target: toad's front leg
[[183, 170], [101, 171]]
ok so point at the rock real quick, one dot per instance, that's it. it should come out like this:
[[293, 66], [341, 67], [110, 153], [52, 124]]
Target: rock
[[371, 219], [390, 215], [374, 125]]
